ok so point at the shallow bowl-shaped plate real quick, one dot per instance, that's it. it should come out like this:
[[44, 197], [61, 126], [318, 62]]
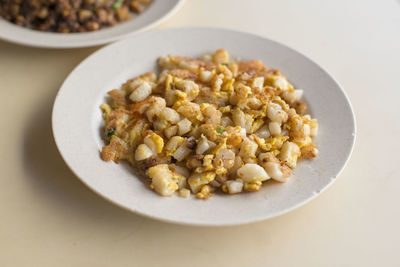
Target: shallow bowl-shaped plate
[[155, 14], [77, 122]]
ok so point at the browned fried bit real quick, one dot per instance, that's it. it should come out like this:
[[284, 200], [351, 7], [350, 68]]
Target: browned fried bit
[[147, 163], [301, 108], [309, 151], [191, 144], [115, 150], [66, 16]]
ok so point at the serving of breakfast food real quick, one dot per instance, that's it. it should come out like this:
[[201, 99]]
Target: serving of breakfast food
[[68, 16], [213, 124]]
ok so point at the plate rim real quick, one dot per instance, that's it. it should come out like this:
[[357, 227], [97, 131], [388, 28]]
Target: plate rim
[[211, 224], [41, 43]]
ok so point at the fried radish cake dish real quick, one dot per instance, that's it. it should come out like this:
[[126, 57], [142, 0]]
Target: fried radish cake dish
[[209, 124]]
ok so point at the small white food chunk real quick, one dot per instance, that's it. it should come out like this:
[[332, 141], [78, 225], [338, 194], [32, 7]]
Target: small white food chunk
[[220, 56], [143, 152], [254, 103], [154, 142], [226, 121], [170, 97], [263, 132], [161, 180], [165, 62], [202, 145], [292, 96], [289, 153], [251, 172], [162, 76], [180, 170], [185, 193], [249, 122], [276, 113], [239, 118], [185, 64], [314, 128], [274, 128], [217, 82], [157, 104], [258, 83], [306, 130], [212, 144], [197, 180], [281, 83], [173, 143], [242, 132], [238, 162], [234, 186], [277, 171], [184, 126], [248, 148], [170, 131], [160, 124], [211, 114], [227, 156], [182, 152], [170, 115], [180, 180], [309, 151], [189, 87], [298, 93], [141, 92], [205, 76]]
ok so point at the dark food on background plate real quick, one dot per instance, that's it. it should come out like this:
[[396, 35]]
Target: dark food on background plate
[[67, 16]]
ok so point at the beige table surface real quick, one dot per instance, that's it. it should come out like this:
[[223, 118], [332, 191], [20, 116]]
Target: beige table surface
[[48, 218]]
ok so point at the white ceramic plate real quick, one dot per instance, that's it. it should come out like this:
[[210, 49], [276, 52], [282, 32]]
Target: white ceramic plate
[[155, 14], [77, 121]]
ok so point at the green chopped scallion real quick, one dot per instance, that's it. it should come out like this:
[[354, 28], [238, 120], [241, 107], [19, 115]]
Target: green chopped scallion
[[220, 129], [117, 4], [110, 132]]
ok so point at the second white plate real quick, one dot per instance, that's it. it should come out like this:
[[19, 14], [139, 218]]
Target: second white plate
[[155, 14]]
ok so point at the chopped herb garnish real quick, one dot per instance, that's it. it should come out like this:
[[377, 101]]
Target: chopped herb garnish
[[110, 132], [117, 4], [225, 64], [220, 129]]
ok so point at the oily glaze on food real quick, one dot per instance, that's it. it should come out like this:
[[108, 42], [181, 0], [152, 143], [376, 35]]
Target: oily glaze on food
[[209, 124], [70, 15]]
